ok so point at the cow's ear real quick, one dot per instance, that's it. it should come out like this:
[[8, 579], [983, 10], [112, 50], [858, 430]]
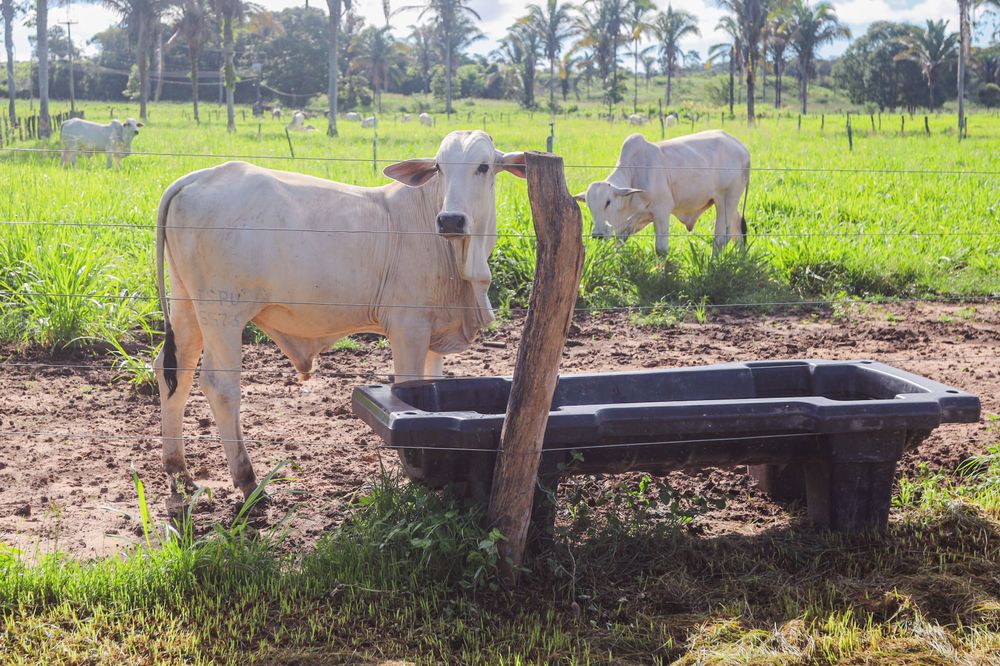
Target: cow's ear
[[413, 173], [513, 163], [582, 196], [139, 125]]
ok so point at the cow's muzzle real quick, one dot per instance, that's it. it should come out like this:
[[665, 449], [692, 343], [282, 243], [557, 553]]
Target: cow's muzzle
[[452, 225]]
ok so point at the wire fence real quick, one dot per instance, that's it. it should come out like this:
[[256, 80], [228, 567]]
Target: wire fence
[[232, 299]]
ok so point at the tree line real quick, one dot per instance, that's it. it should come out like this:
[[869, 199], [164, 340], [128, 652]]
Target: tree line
[[176, 49]]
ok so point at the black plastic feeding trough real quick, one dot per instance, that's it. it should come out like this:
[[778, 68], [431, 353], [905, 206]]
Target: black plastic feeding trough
[[837, 428]]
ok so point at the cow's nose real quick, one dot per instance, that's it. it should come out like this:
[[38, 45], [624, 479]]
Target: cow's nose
[[452, 224]]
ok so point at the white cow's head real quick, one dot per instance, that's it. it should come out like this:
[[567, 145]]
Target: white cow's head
[[466, 166], [130, 128], [616, 211]]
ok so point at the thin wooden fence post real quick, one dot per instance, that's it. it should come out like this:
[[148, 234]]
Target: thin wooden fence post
[[873, 123], [558, 266], [551, 141], [850, 133], [663, 130], [902, 124], [822, 122], [927, 125], [289, 137], [800, 122], [375, 147]]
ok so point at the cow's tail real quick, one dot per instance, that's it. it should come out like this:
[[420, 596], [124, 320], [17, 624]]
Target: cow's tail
[[169, 344], [743, 213]]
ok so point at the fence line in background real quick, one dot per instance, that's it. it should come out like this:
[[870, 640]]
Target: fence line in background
[[233, 299], [403, 232], [381, 447], [387, 373], [368, 160]]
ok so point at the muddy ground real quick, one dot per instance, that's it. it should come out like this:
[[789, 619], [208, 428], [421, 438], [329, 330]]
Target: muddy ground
[[70, 435]]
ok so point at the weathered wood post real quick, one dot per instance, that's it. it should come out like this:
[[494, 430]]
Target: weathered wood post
[[558, 267]]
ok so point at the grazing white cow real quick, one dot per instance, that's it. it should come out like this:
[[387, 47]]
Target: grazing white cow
[[407, 117], [290, 252], [276, 112], [298, 121], [370, 121], [671, 120], [353, 116], [683, 177], [426, 119], [115, 139], [637, 119]]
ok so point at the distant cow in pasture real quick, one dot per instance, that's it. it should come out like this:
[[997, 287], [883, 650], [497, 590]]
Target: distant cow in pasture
[[426, 119], [407, 117], [671, 120], [420, 277], [683, 177], [637, 119], [370, 121], [115, 139], [353, 116], [298, 123], [276, 113]]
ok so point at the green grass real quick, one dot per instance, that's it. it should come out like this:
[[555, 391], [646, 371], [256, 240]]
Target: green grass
[[411, 575], [854, 234]]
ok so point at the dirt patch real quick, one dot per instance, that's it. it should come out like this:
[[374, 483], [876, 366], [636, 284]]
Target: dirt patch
[[76, 492]]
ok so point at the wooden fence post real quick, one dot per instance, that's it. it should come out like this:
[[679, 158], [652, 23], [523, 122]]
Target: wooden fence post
[[558, 267]]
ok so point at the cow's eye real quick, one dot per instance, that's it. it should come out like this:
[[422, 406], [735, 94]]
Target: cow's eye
[[483, 168], [607, 203], [437, 167]]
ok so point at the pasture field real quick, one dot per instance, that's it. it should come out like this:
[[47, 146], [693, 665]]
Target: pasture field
[[349, 565]]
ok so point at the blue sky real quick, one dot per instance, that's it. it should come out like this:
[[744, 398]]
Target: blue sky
[[498, 14]]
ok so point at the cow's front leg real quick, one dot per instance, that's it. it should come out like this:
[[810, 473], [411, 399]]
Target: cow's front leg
[[220, 380], [661, 225], [434, 365], [110, 161], [410, 341]]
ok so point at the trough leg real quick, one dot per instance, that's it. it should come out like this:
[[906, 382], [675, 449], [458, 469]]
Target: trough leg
[[852, 490], [782, 483]]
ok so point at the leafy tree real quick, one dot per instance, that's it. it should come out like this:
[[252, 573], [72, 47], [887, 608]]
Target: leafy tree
[[728, 52], [231, 14], [293, 49], [989, 95], [778, 39], [194, 24], [554, 23], [521, 48], [422, 53], [671, 27], [638, 26], [871, 73], [336, 10], [601, 24], [931, 48], [139, 18]]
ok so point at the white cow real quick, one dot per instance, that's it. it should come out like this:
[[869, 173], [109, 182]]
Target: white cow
[[353, 116], [426, 119], [407, 117], [683, 177], [671, 120], [276, 112], [370, 121], [637, 119], [298, 123], [115, 139], [290, 252]]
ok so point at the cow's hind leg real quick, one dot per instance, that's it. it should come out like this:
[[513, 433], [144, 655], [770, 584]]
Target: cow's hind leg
[[728, 221], [434, 365], [220, 380], [187, 341]]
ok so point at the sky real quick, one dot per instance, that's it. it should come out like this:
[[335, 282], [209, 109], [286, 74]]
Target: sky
[[497, 15]]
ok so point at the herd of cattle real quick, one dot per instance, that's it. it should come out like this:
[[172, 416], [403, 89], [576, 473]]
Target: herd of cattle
[[310, 261]]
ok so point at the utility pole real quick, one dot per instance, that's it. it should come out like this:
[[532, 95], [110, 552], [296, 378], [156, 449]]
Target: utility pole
[[72, 90]]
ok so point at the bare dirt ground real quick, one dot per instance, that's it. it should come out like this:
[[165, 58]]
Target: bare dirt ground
[[68, 484]]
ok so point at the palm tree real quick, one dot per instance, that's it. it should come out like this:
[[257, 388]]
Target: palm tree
[[231, 13], [601, 24], [521, 48], [811, 27], [638, 10], [7, 11], [931, 49], [731, 52], [381, 58], [140, 18], [964, 53], [42, 48], [778, 38], [422, 52], [195, 26], [648, 60], [555, 25], [336, 9], [671, 27], [447, 16], [748, 21]]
